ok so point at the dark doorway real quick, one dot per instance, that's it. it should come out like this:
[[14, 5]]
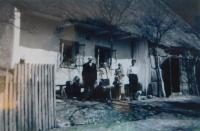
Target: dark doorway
[[102, 54], [198, 77], [171, 75]]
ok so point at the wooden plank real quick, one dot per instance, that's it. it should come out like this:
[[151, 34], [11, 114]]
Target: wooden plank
[[22, 98], [29, 84], [54, 95], [14, 98], [48, 102], [53, 102], [6, 103], [51, 96], [40, 97], [52, 90], [33, 83], [25, 97], [33, 98], [2, 86], [10, 102], [36, 97], [19, 119], [43, 98], [46, 98]]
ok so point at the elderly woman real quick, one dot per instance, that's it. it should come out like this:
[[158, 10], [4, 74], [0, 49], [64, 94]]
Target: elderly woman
[[104, 75]]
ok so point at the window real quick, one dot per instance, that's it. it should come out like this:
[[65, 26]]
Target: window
[[69, 50], [103, 54]]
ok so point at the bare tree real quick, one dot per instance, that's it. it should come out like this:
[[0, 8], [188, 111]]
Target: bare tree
[[193, 62], [196, 24], [116, 12], [154, 26]]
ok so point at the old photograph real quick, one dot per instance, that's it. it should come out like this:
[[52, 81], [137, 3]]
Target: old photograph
[[99, 65]]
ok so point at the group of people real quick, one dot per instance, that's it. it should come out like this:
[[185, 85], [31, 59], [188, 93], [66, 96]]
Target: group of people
[[89, 76]]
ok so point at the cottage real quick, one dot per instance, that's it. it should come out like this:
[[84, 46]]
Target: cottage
[[69, 46], [42, 38]]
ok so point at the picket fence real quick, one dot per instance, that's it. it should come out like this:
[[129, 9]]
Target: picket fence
[[27, 98]]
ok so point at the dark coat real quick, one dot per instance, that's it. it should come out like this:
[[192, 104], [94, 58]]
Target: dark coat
[[89, 73]]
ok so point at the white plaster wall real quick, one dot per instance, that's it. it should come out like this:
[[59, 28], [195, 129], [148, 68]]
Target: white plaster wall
[[41, 46], [38, 56], [6, 35], [39, 33], [39, 43], [35, 40], [16, 36], [141, 54], [66, 74]]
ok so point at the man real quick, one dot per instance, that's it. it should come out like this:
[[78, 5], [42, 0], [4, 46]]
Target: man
[[133, 80], [89, 75]]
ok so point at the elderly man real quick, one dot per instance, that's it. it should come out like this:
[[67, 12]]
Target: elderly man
[[89, 75]]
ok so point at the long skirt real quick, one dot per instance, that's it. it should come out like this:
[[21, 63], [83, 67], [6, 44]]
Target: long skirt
[[133, 84]]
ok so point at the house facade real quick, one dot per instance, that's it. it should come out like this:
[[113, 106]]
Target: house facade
[[41, 42], [42, 39]]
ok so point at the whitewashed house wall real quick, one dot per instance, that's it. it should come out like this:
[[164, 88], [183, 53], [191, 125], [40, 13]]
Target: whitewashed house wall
[[6, 35], [39, 44], [141, 54]]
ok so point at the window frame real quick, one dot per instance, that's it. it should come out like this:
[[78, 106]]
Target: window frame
[[75, 45]]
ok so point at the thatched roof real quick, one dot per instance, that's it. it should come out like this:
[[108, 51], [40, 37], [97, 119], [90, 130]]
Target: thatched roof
[[82, 10]]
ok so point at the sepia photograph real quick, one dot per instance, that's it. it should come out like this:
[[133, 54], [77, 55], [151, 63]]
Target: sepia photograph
[[99, 65]]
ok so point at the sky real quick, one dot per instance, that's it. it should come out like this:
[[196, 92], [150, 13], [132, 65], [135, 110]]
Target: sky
[[187, 9]]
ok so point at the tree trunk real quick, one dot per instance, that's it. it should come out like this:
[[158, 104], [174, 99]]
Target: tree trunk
[[160, 86], [195, 81]]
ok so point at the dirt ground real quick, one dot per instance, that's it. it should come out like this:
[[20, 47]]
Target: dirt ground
[[172, 114]]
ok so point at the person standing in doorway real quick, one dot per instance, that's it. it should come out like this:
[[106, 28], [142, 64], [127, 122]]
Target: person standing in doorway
[[89, 75]]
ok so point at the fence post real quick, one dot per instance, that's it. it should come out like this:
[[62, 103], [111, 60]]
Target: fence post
[[27, 98]]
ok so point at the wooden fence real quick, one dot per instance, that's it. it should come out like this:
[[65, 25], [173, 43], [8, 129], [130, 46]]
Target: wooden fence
[[27, 98]]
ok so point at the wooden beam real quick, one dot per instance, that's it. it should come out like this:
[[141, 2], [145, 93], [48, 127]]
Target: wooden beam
[[127, 37], [103, 32]]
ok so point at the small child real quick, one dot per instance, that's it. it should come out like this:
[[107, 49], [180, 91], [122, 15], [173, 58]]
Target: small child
[[117, 88], [76, 87]]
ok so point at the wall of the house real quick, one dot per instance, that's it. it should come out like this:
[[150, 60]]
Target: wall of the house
[[65, 74], [6, 35], [123, 50], [38, 41], [141, 54]]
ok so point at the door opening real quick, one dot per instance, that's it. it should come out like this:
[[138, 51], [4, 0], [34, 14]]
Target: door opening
[[102, 54], [171, 75]]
